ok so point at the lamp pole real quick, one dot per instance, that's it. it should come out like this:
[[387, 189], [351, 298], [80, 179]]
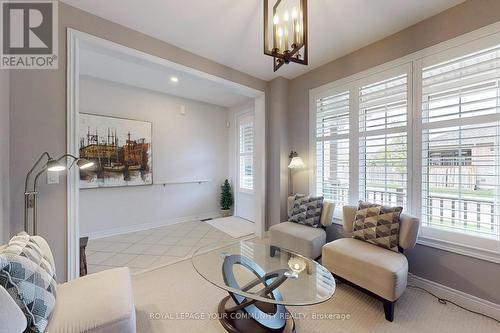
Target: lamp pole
[[30, 197]]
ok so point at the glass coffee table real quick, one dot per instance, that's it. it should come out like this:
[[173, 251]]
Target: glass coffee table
[[261, 285]]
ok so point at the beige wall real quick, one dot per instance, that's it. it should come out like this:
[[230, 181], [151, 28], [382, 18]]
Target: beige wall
[[105, 211], [4, 155], [38, 117], [470, 275], [277, 151]]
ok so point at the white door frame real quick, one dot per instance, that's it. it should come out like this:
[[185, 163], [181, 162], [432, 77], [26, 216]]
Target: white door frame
[[75, 41], [236, 155]]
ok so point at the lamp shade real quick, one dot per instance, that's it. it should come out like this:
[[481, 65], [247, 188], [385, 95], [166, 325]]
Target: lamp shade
[[84, 164], [53, 165], [296, 163]]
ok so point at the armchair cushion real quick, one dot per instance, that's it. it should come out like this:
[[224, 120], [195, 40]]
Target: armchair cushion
[[307, 211], [299, 238], [376, 269], [100, 302], [408, 226], [29, 277], [378, 225], [326, 213], [11, 316]]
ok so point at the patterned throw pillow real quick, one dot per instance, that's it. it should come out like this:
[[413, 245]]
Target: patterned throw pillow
[[30, 279], [307, 211], [378, 225]]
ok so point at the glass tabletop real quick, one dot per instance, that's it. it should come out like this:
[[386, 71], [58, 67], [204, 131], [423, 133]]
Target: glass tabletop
[[247, 269]]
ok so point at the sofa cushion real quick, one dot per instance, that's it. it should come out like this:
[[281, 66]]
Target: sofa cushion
[[29, 277], [100, 302], [298, 238], [307, 211], [376, 269]]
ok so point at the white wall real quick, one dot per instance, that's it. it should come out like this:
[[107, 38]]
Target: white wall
[[4, 155], [185, 147], [244, 202]]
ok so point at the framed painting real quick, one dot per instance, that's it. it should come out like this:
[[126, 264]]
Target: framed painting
[[120, 149]]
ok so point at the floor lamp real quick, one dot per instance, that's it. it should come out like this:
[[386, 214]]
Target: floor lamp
[[50, 164], [295, 163]]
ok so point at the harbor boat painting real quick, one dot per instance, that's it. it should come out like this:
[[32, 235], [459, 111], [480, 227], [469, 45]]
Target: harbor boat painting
[[120, 149]]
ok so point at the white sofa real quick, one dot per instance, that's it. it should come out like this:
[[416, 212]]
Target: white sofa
[[100, 302]]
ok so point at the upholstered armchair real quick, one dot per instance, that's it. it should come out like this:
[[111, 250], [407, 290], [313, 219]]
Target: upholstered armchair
[[380, 272], [99, 303], [299, 238]]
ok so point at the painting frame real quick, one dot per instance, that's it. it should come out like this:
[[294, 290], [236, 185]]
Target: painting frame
[[111, 118]]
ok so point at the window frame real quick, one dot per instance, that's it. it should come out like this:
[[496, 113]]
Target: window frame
[[312, 151], [464, 244], [245, 118]]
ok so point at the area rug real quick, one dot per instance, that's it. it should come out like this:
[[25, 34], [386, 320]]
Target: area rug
[[234, 226], [176, 299]]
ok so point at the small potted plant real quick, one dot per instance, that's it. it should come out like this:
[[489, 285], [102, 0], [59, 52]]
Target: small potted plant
[[226, 199]]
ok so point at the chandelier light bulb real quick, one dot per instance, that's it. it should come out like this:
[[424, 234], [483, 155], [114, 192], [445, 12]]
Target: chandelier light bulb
[[286, 16], [295, 13], [276, 19], [280, 32]]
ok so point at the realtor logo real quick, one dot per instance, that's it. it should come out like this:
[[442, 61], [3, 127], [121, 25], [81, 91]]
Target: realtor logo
[[29, 34]]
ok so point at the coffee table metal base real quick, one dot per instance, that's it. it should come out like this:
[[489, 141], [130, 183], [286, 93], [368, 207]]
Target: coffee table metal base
[[238, 321]]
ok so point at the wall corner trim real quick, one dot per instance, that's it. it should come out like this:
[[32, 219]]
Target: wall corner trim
[[468, 301]]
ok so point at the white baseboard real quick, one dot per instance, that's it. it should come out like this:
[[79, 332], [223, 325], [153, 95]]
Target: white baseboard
[[466, 300], [146, 226]]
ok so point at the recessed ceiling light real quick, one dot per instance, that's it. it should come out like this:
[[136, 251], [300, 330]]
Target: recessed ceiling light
[[174, 79]]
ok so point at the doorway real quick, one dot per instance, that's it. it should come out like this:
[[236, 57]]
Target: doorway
[[244, 161], [78, 44]]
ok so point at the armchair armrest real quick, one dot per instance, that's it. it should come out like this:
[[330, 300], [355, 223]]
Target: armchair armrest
[[327, 213], [408, 231], [348, 214]]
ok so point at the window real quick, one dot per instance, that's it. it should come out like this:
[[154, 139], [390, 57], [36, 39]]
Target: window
[[383, 109], [332, 147], [360, 140], [246, 131], [460, 144], [422, 132]]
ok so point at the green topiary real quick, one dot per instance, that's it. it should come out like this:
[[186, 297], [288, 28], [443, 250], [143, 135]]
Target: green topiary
[[226, 199]]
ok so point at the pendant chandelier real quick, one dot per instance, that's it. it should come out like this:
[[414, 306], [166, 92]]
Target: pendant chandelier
[[285, 31]]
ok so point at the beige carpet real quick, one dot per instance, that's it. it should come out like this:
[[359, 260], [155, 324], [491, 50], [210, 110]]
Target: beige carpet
[[234, 226], [173, 293]]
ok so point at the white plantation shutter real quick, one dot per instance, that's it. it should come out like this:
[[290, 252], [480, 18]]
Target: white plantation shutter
[[332, 147], [460, 144], [424, 135], [383, 149], [246, 140]]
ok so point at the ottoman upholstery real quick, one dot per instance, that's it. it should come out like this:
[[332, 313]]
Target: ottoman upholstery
[[379, 270], [298, 238]]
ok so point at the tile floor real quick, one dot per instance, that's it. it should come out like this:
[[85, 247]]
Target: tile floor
[[151, 248]]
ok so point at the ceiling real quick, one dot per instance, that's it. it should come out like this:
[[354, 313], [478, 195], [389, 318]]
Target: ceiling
[[230, 32], [110, 65]]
